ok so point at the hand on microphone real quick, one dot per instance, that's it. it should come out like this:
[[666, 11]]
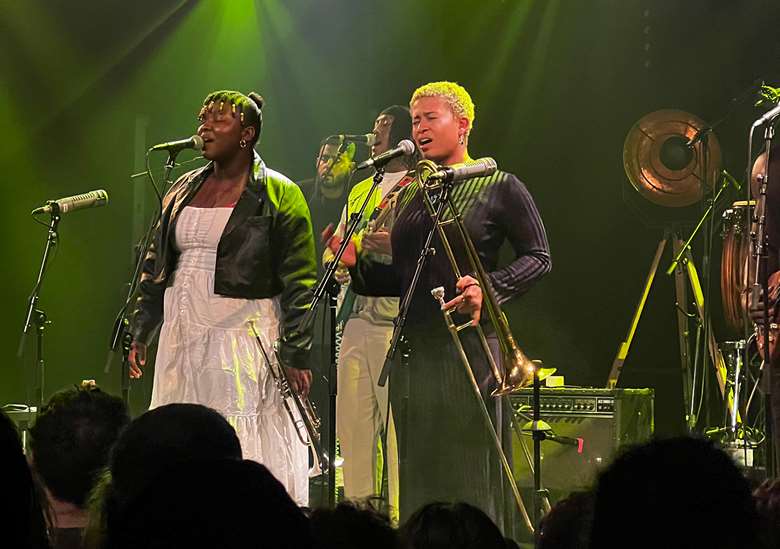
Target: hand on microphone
[[469, 302], [136, 359]]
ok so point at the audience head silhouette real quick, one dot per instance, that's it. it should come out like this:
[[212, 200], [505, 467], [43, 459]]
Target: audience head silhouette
[[352, 526], [22, 522], [156, 441], [680, 492], [230, 504], [567, 524], [168, 435], [72, 437], [451, 526]]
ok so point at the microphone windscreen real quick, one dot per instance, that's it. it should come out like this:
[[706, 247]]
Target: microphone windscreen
[[407, 146]]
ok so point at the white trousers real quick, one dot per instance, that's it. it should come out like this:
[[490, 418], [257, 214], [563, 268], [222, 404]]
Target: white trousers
[[362, 408]]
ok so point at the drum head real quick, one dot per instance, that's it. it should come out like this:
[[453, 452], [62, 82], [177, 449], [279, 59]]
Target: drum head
[[736, 268]]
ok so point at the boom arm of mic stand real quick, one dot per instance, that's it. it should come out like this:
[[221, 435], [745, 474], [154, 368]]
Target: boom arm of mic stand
[[51, 242], [121, 322], [328, 284], [322, 285], [685, 247], [403, 309], [119, 333]]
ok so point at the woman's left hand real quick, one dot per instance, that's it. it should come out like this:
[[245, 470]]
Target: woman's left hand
[[300, 380], [469, 302]]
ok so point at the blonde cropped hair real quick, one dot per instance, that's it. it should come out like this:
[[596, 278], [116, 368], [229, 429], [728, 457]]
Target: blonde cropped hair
[[453, 93]]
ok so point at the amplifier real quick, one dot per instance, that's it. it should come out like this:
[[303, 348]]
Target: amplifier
[[605, 419]]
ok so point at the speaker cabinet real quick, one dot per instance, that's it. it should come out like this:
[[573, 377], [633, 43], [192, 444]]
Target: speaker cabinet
[[605, 419]]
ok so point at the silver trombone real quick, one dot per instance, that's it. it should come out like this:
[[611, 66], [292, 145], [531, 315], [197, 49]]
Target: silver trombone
[[519, 369], [306, 421]]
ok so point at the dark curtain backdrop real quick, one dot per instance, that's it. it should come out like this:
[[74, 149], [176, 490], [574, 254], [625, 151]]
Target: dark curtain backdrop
[[86, 87]]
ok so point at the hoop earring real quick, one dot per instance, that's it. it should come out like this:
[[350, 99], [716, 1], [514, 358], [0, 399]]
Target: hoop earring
[[242, 143]]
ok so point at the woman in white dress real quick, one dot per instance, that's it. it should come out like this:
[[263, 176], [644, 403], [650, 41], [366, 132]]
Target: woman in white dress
[[234, 248]]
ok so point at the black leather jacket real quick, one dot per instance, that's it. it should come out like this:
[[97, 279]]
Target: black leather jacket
[[266, 249]]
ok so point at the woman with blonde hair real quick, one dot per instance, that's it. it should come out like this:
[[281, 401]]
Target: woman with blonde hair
[[445, 452]]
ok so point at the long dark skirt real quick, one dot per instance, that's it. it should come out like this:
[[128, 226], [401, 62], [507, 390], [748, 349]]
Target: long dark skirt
[[446, 452]]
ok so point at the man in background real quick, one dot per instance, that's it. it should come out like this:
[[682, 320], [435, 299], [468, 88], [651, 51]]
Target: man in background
[[363, 412]]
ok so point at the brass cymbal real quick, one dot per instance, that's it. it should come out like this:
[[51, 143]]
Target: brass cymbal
[[660, 165]]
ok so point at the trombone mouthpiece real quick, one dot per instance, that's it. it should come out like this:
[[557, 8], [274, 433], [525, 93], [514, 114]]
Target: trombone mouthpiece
[[438, 294]]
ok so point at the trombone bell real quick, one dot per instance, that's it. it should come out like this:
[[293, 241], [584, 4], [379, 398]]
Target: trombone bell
[[518, 372]]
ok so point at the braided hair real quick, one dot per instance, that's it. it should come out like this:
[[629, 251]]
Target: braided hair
[[248, 108]]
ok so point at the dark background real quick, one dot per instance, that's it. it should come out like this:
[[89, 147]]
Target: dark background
[[86, 87]]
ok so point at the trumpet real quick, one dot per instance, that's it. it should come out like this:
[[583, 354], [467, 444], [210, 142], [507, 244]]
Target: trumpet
[[435, 185], [306, 421]]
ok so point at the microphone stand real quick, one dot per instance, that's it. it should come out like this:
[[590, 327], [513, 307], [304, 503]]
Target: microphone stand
[[727, 179], [682, 257], [539, 430], [328, 284], [760, 287], [406, 301], [36, 315], [121, 334]]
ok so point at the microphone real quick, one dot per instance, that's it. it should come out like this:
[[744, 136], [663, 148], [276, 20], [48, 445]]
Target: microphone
[[768, 116], [578, 442], [730, 179], [476, 168], [194, 142], [698, 136], [404, 148], [92, 199], [367, 139]]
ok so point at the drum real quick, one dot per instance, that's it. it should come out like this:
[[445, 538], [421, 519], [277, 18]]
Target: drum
[[736, 268]]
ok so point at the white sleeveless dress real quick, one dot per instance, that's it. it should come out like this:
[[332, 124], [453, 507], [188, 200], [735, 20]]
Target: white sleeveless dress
[[208, 355]]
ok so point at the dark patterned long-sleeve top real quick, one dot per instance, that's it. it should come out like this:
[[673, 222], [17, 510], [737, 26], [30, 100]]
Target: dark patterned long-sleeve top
[[495, 210]]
